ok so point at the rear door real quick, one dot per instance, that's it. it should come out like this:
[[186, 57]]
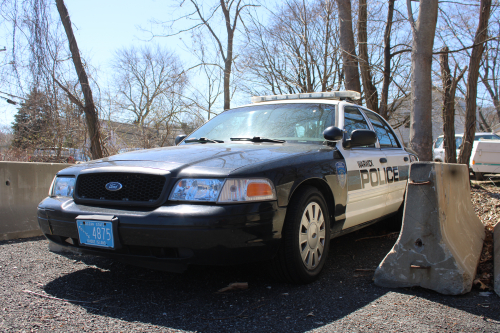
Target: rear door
[[367, 188], [398, 160]]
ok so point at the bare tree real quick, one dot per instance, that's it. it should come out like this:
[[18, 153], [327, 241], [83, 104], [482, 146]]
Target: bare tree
[[205, 97], [370, 91], [150, 84], [421, 81], [490, 74], [384, 98], [88, 106], [143, 76], [474, 64], [297, 51], [231, 12], [350, 60], [39, 60], [449, 89]]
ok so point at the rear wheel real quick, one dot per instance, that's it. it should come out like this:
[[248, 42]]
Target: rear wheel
[[305, 238]]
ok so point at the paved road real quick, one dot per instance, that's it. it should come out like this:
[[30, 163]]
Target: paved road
[[109, 296]]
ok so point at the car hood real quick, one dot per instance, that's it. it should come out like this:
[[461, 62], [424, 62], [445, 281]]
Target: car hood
[[194, 159]]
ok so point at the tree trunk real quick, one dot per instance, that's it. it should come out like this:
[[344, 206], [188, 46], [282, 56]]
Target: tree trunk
[[486, 127], [351, 73], [387, 62], [470, 100], [448, 110], [421, 81], [91, 117], [496, 103], [369, 89], [228, 61], [449, 87], [227, 77]]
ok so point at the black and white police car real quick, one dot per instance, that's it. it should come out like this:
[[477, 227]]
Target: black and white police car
[[271, 181]]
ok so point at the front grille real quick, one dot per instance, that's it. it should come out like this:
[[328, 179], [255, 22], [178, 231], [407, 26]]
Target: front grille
[[142, 188]]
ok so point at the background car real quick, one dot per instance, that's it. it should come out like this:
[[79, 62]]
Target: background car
[[485, 154], [438, 147]]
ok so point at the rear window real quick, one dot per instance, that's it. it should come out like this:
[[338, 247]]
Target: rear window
[[486, 137]]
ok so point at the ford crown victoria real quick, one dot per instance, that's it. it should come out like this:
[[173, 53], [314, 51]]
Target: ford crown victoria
[[272, 181]]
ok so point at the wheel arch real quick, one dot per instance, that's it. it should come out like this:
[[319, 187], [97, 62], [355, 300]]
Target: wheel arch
[[325, 190]]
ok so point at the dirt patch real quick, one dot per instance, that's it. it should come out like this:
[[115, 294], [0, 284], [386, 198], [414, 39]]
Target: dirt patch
[[485, 198]]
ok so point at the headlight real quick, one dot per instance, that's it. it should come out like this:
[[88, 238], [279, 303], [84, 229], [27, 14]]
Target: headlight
[[202, 190], [247, 190], [63, 186], [223, 191]]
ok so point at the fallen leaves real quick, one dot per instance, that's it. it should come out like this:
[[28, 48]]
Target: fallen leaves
[[234, 286], [482, 286], [486, 202]]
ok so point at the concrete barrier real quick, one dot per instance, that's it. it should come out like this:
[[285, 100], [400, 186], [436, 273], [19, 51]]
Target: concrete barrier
[[23, 186], [441, 239], [496, 258]]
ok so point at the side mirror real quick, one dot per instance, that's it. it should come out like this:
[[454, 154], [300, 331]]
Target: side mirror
[[179, 138], [333, 133], [361, 137]]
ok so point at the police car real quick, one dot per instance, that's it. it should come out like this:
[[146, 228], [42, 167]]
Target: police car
[[272, 181]]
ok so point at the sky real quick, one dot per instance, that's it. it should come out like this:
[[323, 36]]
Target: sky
[[102, 27]]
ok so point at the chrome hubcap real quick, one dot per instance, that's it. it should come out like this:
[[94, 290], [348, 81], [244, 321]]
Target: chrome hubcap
[[312, 236]]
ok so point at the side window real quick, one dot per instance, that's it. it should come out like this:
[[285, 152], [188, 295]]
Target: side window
[[438, 142], [458, 142], [353, 120], [385, 136]]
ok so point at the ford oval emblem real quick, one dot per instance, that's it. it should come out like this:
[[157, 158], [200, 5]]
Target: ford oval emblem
[[113, 186]]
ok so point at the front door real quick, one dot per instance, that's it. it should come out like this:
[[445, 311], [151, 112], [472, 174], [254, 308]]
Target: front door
[[398, 161], [367, 186]]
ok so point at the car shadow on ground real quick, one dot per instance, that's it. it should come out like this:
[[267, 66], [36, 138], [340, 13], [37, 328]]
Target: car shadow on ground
[[190, 301]]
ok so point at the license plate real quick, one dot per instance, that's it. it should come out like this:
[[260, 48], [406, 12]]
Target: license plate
[[96, 233]]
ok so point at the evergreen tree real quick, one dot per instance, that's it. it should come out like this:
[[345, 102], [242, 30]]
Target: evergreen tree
[[31, 124]]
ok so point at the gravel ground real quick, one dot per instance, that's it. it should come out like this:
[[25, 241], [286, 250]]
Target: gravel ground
[[43, 291]]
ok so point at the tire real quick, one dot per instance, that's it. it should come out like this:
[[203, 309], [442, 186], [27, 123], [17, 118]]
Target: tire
[[479, 175], [305, 238]]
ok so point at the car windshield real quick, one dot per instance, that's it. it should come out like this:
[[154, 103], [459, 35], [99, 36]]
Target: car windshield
[[438, 142], [290, 122]]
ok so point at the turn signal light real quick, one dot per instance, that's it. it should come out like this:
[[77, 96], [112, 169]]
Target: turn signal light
[[259, 189]]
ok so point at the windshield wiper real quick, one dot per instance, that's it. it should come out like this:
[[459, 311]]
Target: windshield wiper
[[258, 139], [203, 140]]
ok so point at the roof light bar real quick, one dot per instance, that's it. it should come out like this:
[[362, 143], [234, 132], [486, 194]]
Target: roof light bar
[[348, 94]]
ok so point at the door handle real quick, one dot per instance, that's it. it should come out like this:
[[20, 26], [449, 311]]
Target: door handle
[[383, 160]]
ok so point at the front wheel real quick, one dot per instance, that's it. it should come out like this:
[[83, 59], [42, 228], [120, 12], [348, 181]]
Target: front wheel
[[306, 238]]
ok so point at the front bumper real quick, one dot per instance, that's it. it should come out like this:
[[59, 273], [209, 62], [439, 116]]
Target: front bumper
[[174, 236]]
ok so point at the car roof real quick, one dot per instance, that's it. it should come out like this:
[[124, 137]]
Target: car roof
[[478, 133]]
